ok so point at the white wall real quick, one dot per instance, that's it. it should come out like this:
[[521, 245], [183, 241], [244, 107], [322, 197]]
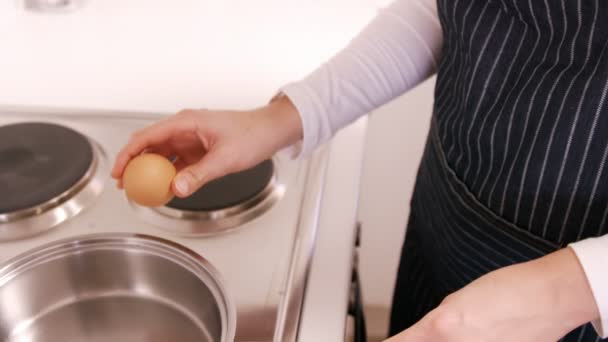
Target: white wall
[[396, 137]]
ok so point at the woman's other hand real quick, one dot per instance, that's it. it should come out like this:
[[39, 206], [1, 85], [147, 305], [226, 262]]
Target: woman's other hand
[[211, 144], [541, 300]]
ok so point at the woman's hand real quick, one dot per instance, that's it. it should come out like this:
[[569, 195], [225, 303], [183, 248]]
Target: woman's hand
[[211, 144], [541, 300]]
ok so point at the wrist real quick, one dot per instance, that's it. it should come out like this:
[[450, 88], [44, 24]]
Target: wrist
[[569, 292], [284, 120]]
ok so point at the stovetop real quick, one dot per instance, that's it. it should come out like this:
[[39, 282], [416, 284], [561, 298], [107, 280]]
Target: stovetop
[[263, 261]]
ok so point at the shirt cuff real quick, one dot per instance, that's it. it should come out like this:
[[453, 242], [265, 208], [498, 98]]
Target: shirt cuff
[[592, 254]]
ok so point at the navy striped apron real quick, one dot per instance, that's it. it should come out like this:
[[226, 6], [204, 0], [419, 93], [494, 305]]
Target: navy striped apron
[[515, 162]]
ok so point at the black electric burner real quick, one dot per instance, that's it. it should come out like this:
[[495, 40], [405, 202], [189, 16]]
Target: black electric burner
[[229, 190], [38, 162]]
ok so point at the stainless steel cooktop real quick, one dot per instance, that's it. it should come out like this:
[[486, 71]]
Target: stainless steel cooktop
[[266, 239]]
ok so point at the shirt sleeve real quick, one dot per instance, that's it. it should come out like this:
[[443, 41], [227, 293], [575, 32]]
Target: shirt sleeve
[[592, 254], [396, 51]]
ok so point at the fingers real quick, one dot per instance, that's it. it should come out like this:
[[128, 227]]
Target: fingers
[[153, 135], [180, 164], [166, 151], [189, 179]]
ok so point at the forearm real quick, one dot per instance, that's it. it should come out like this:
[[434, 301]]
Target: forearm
[[399, 49]]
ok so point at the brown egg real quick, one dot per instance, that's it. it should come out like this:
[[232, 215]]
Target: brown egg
[[147, 180]]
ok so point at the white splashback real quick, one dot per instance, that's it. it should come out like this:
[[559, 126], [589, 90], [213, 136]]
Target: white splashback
[[167, 55]]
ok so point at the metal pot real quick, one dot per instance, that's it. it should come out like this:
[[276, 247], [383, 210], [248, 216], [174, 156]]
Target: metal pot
[[113, 287]]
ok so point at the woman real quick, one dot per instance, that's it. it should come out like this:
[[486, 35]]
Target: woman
[[505, 239]]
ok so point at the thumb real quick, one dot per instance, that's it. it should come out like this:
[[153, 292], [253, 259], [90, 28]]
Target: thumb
[[191, 178]]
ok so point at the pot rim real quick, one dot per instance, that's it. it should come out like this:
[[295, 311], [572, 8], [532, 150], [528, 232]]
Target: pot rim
[[171, 250]]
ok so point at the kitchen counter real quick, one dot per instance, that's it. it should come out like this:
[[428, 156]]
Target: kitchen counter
[[161, 56]]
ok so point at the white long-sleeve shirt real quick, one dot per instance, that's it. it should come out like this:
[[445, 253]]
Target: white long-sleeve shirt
[[399, 49]]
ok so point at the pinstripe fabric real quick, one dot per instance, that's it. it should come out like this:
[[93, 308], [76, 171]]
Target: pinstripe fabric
[[515, 163]]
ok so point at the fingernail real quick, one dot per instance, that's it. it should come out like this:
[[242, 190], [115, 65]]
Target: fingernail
[[181, 184]]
